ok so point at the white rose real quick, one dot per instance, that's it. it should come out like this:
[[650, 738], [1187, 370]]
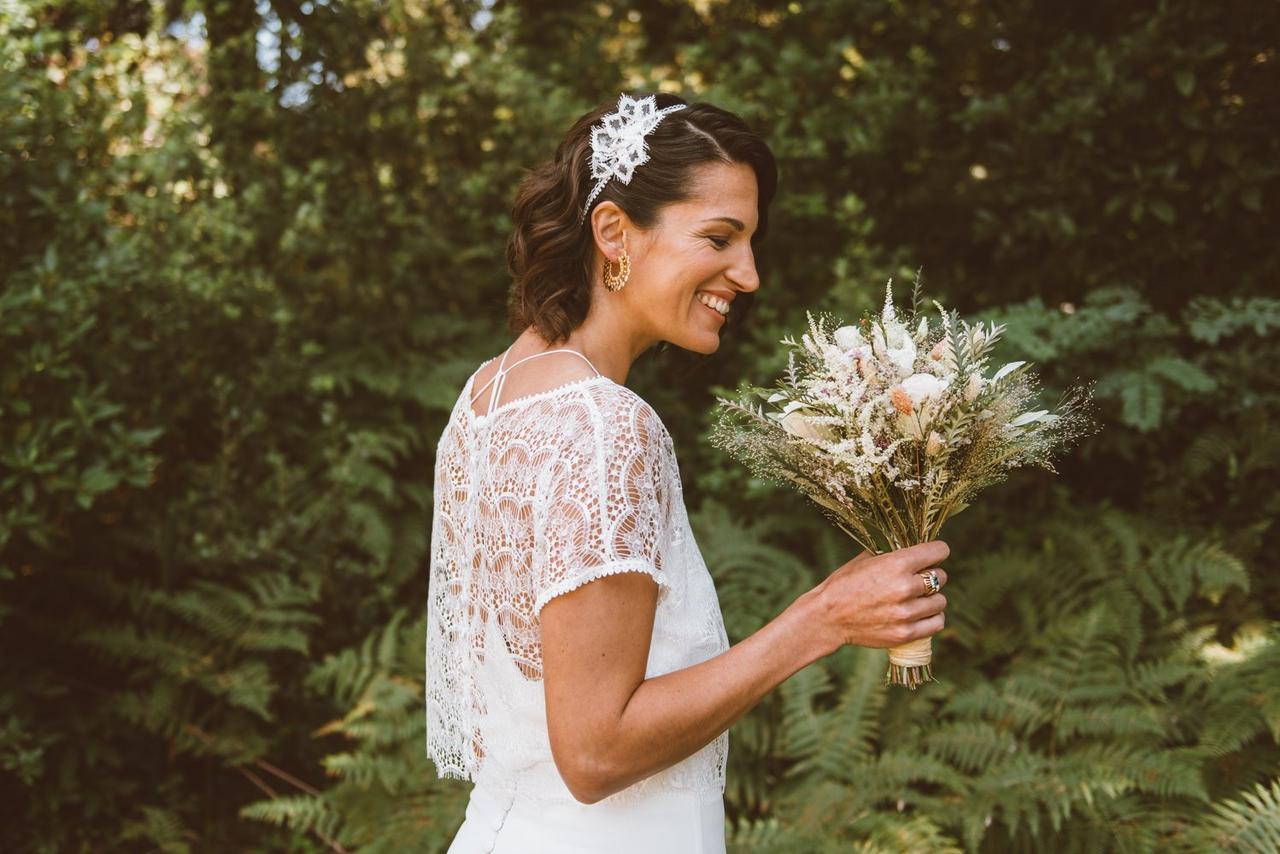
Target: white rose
[[904, 357], [921, 387]]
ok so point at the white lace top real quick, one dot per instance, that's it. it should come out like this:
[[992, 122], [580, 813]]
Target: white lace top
[[541, 495]]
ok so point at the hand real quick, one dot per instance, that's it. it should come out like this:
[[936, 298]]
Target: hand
[[878, 600]]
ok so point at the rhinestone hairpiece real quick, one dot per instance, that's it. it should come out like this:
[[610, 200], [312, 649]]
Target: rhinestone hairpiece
[[617, 141]]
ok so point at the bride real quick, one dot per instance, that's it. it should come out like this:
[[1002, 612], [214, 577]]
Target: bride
[[577, 666]]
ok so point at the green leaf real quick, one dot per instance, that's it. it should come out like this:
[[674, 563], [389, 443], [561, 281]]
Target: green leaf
[[1143, 401], [1163, 211], [98, 479], [1185, 81], [1182, 373]]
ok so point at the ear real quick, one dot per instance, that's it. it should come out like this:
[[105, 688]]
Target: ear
[[609, 224]]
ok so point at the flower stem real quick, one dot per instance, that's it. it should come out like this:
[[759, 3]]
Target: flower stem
[[910, 676]]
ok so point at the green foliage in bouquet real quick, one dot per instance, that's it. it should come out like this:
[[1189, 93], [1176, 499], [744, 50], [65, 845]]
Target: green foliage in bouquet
[[891, 426]]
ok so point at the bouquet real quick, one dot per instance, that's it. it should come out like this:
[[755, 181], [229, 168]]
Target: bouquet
[[892, 426]]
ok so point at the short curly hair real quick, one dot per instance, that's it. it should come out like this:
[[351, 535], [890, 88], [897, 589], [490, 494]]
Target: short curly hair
[[550, 251]]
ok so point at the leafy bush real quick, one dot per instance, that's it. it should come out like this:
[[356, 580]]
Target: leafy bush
[[239, 297]]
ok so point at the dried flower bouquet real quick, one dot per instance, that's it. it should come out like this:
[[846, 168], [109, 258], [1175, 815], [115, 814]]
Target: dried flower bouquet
[[892, 427]]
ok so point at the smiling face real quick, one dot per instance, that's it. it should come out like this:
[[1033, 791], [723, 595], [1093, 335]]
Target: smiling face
[[698, 249]]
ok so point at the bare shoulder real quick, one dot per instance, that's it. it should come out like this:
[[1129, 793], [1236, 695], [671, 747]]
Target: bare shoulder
[[533, 376]]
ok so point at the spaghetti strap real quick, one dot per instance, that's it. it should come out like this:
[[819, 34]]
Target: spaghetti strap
[[557, 350], [501, 374], [476, 395]]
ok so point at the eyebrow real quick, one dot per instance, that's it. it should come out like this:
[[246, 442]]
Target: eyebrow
[[733, 222]]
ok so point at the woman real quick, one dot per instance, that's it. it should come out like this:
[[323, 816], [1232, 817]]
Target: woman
[[578, 669]]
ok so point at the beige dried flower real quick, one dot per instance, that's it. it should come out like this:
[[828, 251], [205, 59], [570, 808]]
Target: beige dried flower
[[973, 388], [866, 367], [800, 426], [934, 444]]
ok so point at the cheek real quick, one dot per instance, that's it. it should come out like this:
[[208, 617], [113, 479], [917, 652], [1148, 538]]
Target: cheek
[[665, 299], [680, 275]]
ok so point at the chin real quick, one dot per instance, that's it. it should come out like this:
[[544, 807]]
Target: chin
[[706, 344]]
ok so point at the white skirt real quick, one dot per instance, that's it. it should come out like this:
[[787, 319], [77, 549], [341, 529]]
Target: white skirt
[[671, 822]]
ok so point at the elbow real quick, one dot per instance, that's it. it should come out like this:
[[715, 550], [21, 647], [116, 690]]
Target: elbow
[[585, 796], [585, 777]]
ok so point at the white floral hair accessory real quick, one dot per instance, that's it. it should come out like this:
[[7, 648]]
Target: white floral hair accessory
[[617, 142]]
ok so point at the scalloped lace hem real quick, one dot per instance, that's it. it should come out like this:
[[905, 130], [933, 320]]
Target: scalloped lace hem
[[632, 564]]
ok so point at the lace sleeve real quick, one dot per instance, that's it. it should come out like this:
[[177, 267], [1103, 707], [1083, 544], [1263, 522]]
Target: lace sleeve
[[604, 508]]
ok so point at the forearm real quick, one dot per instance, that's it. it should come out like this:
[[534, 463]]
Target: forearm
[[671, 717]]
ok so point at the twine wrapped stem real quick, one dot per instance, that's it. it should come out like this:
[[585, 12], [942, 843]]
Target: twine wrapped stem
[[909, 664]]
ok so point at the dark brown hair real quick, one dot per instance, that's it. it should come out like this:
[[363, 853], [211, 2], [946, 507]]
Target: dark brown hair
[[551, 249]]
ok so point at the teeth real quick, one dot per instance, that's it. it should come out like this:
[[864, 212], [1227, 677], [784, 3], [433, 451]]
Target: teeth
[[714, 302]]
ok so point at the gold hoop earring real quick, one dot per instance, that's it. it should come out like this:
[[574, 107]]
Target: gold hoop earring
[[615, 282]]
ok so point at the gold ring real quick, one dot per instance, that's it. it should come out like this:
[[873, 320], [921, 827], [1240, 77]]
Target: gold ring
[[931, 584]]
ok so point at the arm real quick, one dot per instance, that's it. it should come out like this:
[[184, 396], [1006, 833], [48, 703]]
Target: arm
[[672, 716], [611, 727]]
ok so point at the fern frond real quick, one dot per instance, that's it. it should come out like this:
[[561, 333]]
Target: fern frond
[[160, 827], [300, 812], [1248, 823]]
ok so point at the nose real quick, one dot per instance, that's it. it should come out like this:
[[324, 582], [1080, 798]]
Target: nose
[[743, 273]]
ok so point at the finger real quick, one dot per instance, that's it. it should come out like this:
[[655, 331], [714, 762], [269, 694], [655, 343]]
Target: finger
[[923, 575], [909, 588], [928, 606], [929, 626], [924, 555]]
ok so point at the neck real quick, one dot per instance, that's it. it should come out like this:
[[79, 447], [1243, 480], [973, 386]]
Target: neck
[[605, 337]]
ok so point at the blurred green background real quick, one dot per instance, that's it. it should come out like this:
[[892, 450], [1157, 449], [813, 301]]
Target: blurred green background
[[250, 251]]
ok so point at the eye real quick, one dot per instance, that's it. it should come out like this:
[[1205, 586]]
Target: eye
[[719, 242]]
